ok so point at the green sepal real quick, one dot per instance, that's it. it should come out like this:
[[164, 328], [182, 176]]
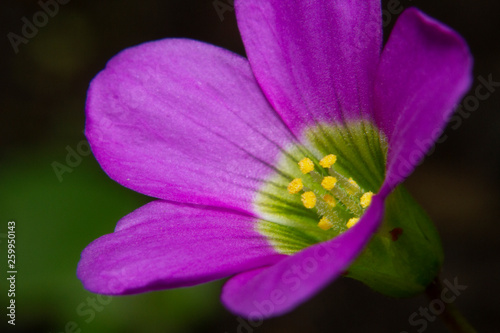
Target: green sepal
[[405, 255]]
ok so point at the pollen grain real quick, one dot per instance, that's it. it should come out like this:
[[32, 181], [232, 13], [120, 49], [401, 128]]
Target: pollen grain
[[306, 165], [295, 186], [352, 222], [366, 199], [329, 182], [327, 161], [325, 224], [308, 199]]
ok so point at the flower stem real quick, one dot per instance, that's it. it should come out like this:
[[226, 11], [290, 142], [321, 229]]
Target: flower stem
[[451, 316]]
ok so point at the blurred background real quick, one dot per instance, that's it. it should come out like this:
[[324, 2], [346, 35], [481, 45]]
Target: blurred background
[[42, 97]]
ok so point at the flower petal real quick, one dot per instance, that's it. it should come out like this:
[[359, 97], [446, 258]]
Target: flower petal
[[425, 69], [165, 245], [184, 121], [315, 60], [268, 292]]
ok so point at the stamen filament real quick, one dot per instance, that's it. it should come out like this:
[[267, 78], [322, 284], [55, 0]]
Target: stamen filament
[[349, 186], [325, 210], [346, 199], [341, 195], [330, 200]]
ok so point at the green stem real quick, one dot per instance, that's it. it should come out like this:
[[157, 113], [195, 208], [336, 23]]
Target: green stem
[[451, 316]]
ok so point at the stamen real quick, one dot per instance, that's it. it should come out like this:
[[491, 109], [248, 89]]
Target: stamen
[[344, 182], [295, 186], [330, 200], [353, 199], [308, 199], [327, 161], [329, 182], [325, 210], [350, 204], [325, 224], [306, 165], [354, 189], [366, 199], [341, 195], [352, 222]]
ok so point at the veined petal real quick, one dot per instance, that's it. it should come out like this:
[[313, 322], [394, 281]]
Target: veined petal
[[268, 292], [165, 245], [184, 121], [315, 60], [425, 69]]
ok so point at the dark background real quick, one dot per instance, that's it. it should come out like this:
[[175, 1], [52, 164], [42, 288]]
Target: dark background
[[42, 97]]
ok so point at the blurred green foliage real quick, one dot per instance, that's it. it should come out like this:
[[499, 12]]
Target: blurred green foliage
[[54, 222]]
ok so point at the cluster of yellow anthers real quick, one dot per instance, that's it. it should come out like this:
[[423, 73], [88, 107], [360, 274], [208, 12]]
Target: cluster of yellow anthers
[[354, 199]]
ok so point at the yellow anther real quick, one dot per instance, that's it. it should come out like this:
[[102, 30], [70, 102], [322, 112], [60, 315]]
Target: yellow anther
[[308, 199], [325, 224], [353, 189], [330, 200], [366, 199], [295, 186], [353, 182], [328, 161], [329, 182], [352, 222], [306, 165]]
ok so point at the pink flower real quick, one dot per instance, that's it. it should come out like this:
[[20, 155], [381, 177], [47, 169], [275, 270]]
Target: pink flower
[[217, 138]]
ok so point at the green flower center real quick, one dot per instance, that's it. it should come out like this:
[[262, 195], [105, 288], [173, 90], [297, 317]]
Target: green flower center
[[323, 187]]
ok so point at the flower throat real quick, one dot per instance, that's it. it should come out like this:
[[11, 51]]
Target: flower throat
[[320, 191], [340, 199]]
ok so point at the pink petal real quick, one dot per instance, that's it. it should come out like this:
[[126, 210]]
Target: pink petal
[[165, 245], [315, 60], [184, 121], [424, 72], [269, 292]]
